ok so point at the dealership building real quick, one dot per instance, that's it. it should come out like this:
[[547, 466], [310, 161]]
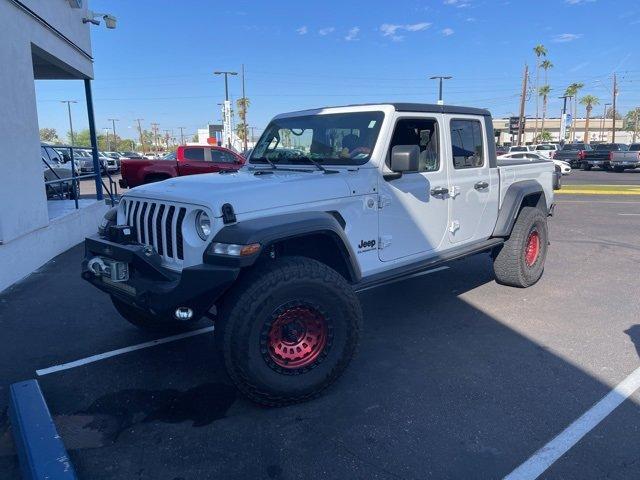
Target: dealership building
[[41, 39], [600, 130]]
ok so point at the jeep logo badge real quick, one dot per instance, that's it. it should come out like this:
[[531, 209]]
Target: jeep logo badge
[[366, 245]]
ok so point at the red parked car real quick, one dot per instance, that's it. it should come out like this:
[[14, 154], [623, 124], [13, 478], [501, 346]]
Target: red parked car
[[188, 160]]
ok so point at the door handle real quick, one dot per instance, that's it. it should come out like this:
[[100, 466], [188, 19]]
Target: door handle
[[186, 164], [439, 191], [481, 185]]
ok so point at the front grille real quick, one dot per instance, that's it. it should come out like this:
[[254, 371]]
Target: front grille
[[159, 225]]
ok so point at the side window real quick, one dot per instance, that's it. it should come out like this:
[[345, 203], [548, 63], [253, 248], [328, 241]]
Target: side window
[[44, 155], [517, 155], [196, 153], [53, 155], [466, 144], [220, 156], [421, 132]]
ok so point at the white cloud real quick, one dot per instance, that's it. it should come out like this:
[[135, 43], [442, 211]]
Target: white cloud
[[326, 31], [391, 29], [303, 30], [578, 2], [352, 34], [567, 37], [457, 3], [447, 32]]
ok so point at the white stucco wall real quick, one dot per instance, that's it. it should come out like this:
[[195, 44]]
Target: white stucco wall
[[22, 196], [28, 238]]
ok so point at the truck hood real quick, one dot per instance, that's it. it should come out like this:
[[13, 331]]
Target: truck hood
[[245, 191]]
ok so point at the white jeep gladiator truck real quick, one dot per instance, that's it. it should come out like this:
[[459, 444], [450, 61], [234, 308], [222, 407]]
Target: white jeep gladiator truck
[[331, 201]]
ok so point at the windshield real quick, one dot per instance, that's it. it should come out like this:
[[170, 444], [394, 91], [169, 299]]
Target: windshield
[[545, 147], [338, 139], [634, 147], [576, 146], [607, 147]]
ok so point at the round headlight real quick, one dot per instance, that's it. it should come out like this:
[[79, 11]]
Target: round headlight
[[203, 225]]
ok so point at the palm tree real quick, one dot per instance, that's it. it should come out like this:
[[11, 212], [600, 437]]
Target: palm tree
[[544, 93], [589, 101], [540, 51], [573, 90]]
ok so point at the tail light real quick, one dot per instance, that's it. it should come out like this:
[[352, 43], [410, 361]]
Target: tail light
[[581, 154], [552, 154], [610, 156]]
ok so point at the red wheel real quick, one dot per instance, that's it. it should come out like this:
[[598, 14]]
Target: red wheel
[[296, 336], [532, 249]]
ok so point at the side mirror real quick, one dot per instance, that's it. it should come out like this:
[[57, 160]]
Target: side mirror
[[405, 158]]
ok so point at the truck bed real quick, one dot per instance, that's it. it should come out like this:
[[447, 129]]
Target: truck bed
[[519, 170]]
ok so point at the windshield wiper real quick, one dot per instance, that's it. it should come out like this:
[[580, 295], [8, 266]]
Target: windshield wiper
[[317, 164]]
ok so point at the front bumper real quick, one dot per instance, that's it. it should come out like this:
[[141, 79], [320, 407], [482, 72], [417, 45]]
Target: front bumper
[[154, 288]]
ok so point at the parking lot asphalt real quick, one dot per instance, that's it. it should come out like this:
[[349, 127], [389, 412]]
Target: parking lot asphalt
[[456, 377]]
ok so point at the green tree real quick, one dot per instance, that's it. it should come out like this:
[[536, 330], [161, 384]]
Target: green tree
[[546, 65], [572, 91], [82, 138], [544, 93], [540, 51], [589, 101], [241, 128], [632, 122], [545, 136], [49, 135]]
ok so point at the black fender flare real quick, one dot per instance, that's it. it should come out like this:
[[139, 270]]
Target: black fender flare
[[513, 198], [271, 229]]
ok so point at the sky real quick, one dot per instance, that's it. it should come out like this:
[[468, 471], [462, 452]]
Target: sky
[[158, 63]]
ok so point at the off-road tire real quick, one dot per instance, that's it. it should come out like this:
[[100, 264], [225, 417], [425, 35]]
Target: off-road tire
[[251, 307], [510, 265], [586, 167], [618, 169], [148, 322]]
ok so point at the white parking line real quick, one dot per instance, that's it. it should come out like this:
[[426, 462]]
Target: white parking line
[[630, 214], [552, 451], [120, 351]]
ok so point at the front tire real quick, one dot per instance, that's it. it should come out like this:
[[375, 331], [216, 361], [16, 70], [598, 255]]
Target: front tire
[[288, 330], [520, 261], [586, 167]]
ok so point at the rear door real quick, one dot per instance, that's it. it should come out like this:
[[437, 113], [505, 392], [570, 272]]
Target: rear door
[[413, 215], [474, 187], [196, 160]]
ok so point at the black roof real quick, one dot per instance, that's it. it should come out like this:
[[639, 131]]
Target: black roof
[[417, 107]]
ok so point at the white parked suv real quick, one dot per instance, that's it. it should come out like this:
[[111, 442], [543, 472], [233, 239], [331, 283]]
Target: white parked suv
[[331, 201]]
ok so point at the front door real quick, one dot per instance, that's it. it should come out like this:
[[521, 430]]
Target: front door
[[413, 210], [472, 187], [197, 160]]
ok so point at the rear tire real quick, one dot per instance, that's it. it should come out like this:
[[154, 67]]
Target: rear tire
[[148, 322], [520, 261], [288, 330], [618, 169], [586, 167]]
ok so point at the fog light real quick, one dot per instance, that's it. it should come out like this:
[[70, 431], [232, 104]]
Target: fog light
[[183, 313]]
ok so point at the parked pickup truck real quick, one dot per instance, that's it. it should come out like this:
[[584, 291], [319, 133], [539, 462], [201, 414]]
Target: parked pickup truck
[[622, 160], [188, 160], [374, 194], [600, 155], [572, 153]]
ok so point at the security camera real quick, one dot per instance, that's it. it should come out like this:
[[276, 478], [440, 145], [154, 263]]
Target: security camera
[[110, 21]]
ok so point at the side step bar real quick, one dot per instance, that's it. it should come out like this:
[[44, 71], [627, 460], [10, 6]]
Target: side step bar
[[400, 273]]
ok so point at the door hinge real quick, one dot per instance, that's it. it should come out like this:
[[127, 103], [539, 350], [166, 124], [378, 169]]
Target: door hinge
[[384, 241], [455, 225], [383, 201], [454, 191]]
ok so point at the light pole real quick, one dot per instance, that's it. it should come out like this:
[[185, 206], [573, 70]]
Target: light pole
[[106, 132], [113, 123], [227, 106], [563, 125], [69, 102], [440, 78], [602, 122]]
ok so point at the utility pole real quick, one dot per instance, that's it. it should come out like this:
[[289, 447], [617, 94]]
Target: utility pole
[[603, 122], [140, 133], [69, 102], [523, 97], [440, 78], [113, 122], [167, 137], [244, 112], [181, 135], [154, 129], [227, 106], [615, 94], [106, 132]]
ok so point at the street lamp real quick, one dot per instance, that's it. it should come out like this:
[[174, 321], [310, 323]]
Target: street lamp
[[227, 107], [440, 78]]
